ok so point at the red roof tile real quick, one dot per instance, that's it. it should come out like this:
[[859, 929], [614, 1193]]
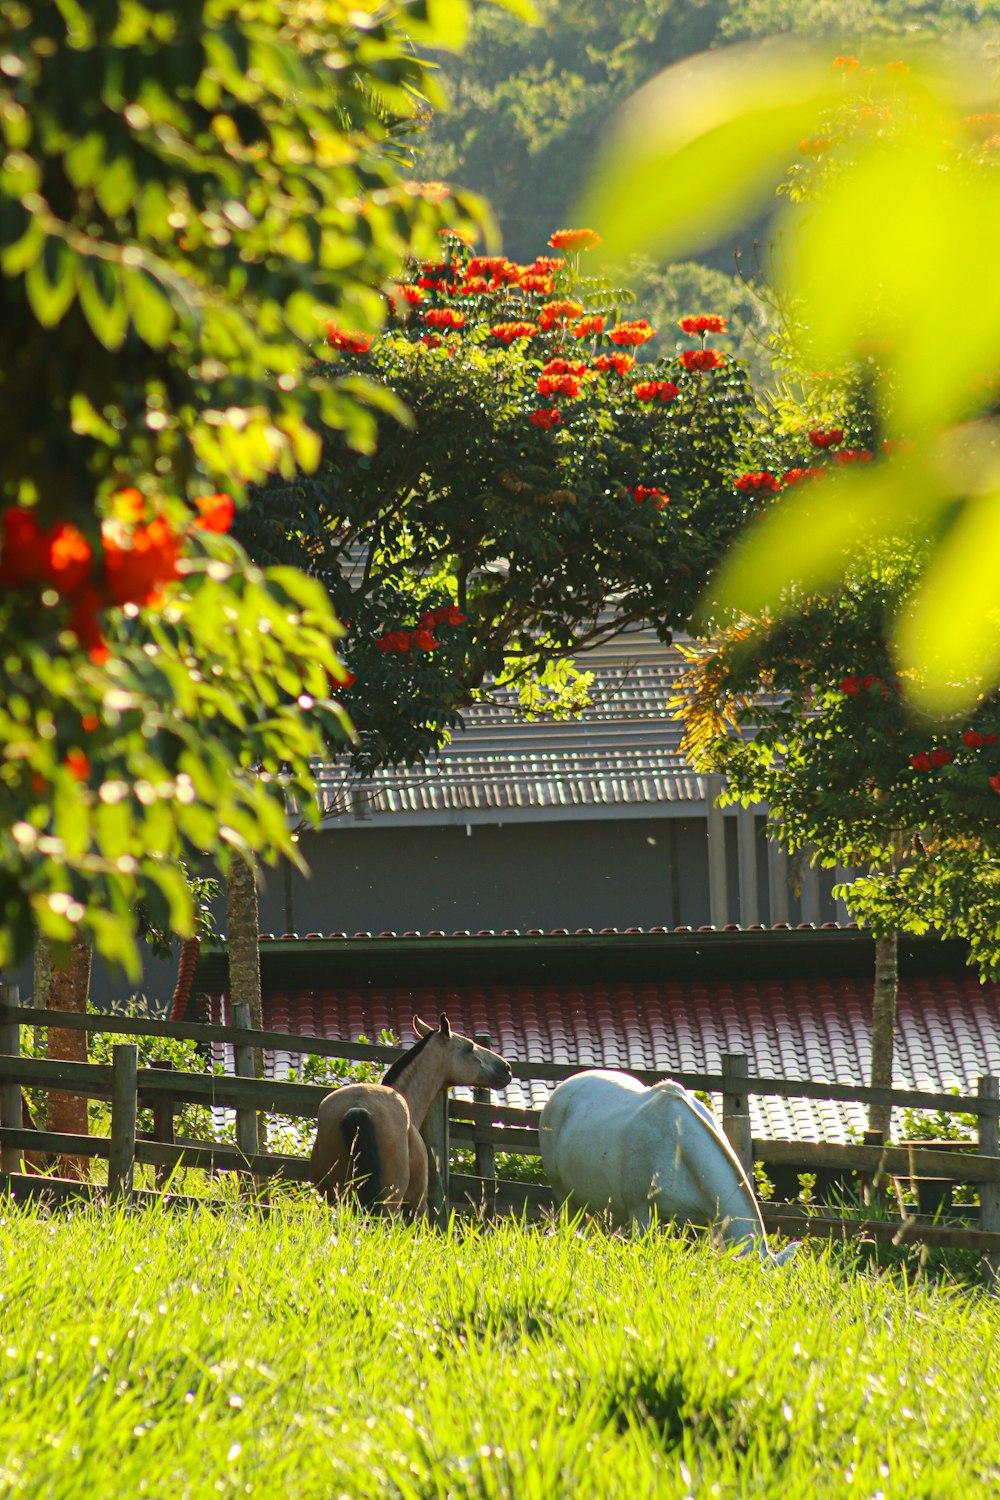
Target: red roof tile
[[948, 1032]]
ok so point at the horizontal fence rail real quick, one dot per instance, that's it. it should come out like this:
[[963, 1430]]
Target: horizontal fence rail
[[479, 1125]]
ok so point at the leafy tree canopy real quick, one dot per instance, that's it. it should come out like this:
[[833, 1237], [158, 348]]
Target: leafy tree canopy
[[554, 486], [187, 192], [899, 160]]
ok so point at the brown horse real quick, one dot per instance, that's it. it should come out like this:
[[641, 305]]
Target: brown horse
[[368, 1139]]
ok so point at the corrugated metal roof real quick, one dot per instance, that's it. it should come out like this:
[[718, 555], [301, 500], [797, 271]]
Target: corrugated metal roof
[[623, 752]]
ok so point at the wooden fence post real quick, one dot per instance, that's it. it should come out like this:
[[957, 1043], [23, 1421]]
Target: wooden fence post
[[121, 1156], [486, 1160], [10, 1091], [989, 1192], [435, 1136], [736, 1108], [246, 1119], [163, 1126]]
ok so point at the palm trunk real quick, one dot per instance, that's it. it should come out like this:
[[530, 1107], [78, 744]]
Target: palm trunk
[[68, 986], [883, 1027], [243, 921]]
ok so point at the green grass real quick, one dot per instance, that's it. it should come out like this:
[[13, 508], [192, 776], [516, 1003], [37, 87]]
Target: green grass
[[312, 1354]]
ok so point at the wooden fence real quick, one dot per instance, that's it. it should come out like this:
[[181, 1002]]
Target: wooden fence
[[478, 1126]]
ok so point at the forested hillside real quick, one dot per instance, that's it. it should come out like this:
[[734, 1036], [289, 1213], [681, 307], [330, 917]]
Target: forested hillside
[[529, 104]]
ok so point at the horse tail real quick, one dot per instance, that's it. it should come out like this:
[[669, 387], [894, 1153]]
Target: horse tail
[[364, 1163]]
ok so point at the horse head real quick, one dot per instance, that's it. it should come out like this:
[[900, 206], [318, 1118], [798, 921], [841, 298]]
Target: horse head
[[463, 1060]]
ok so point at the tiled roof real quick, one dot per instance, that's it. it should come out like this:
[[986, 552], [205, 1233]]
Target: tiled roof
[[948, 1032], [622, 752]]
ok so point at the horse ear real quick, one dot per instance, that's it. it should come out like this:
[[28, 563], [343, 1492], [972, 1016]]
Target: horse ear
[[421, 1027], [445, 1028]]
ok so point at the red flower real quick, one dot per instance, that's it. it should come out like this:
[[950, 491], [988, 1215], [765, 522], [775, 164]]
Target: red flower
[[78, 764], [216, 513], [636, 332], [545, 418], [508, 332], [558, 312], [394, 640], [409, 293], [351, 343], [655, 390], [443, 317], [974, 739], [24, 548], [452, 615], [538, 282], [69, 560], [704, 323], [425, 640], [90, 722], [853, 456], [656, 497], [430, 340], [795, 476], [921, 761], [85, 623], [547, 263], [941, 757], [562, 366], [620, 363], [575, 239], [994, 782], [762, 480], [558, 385], [826, 439], [136, 568], [850, 685], [473, 286], [586, 326], [702, 359]]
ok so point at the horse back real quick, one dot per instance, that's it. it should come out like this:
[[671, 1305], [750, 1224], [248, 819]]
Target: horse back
[[363, 1132]]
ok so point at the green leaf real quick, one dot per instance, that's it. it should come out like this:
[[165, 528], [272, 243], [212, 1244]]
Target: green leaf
[[697, 149], [103, 302], [51, 281], [149, 307]]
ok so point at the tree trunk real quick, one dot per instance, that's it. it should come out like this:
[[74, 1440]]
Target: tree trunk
[[243, 921], [883, 1026], [68, 987]]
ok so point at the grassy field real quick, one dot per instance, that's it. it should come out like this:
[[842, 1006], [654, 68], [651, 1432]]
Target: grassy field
[[312, 1354]]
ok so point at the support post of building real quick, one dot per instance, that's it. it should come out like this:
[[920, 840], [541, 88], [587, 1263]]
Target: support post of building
[[718, 895], [843, 875], [777, 883], [810, 890], [746, 837]]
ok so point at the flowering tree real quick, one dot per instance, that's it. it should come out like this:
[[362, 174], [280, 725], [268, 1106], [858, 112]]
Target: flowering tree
[[808, 714], [188, 192], [551, 488]]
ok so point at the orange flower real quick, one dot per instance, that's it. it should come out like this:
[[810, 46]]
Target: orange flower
[[846, 64], [655, 390], [636, 332], [702, 359], [349, 342], [853, 456], [594, 323], [443, 317], [560, 366], [537, 282], [508, 332], [78, 764], [558, 312], [704, 323], [558, 385], [815, 145], [656, 497], [137, 567], [216, 513], [762, 480], [408, 293], [69, 558], [128, 505], [545, 418], [90, 722], [620, 363], [575, 239]]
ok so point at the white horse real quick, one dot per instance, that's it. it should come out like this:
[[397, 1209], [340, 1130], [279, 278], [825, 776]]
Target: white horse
[[610, 1143]]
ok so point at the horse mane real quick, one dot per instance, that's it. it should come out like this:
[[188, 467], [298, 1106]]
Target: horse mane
[[402, 1063]]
